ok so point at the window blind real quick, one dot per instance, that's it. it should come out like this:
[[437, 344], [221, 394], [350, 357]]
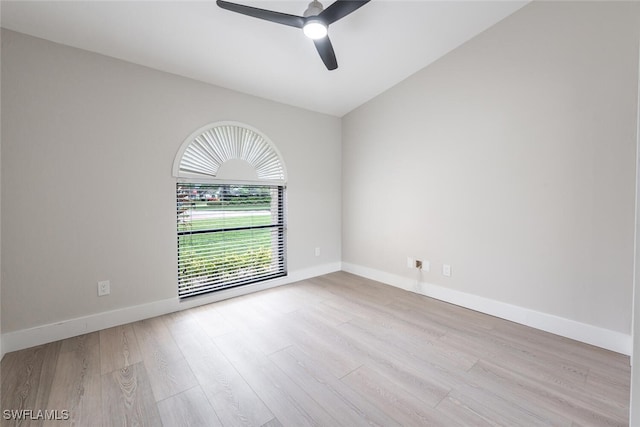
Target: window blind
[[229, 235]]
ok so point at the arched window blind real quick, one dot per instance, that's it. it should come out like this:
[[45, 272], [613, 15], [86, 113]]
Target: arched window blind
[[230, 209], [209, 148]]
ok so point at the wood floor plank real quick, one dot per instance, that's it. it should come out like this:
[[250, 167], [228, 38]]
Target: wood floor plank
[[127, 398], [289, 403], [234, 402], [315, 336], [333, 395], [580, 352], [311, 293], [336, 362], [509, 391], [269, 337], [319, 287], [408, 339], [541, 353], [169, 373], [447, 313], [262, 326], [231, 397], [285, 300], [368, 290], [331, 314], [155, 340], [405, 366], [432, 329], [169, 377], [211, 321], [118, 348], [501, 410], [608, 387], [389, 325], [192, 340], [463, 415], [534, 363], [274, 422], [76, 382], [437, 317], [399, 404], [180, 322], [26, 377], [188, 409], [581, 410], [235, 310]]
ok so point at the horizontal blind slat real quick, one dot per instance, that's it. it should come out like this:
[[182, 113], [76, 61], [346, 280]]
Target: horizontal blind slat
[[228, 235]]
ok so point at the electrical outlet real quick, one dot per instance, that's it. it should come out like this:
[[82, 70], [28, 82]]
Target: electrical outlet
[[446, 270], [418, 264], [426, 266], [104, 288], [411, 262], [318, 251]]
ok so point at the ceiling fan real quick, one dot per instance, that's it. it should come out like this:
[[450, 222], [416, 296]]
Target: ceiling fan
[[314, 22]]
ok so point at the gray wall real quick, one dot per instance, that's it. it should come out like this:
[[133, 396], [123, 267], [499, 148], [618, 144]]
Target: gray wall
[[88, 143], [513, 160]]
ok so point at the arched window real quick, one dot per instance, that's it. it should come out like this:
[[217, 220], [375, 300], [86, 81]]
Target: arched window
[[230, 200]]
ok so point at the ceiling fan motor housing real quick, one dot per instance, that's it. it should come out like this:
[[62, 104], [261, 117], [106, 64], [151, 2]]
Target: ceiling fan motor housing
[[314, 9], [314, 23]]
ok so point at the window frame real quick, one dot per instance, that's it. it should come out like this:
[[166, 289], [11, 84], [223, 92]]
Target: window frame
[[200, 160], [281, 237]]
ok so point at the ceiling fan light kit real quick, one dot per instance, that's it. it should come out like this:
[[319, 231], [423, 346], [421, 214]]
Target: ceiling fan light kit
[[315, 29], [314, 22]]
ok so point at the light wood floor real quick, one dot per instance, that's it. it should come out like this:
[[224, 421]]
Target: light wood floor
[[337, 350]]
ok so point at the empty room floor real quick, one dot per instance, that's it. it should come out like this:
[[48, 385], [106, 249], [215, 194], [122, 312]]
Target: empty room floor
[[336, 350]]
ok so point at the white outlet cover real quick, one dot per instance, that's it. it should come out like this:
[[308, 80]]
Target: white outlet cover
[[104, 288], [426, 266], [446, 270], [411, 262]]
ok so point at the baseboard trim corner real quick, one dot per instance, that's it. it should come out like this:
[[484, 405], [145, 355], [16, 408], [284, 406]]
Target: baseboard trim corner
[[589, 334]]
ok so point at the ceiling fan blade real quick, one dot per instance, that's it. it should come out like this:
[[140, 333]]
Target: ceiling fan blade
[[267, 15], [325, 49], [341, 8]]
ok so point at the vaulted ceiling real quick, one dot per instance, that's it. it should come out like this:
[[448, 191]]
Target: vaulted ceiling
[[377, 46]]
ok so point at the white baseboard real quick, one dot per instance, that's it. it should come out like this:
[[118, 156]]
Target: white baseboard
[[594, 335], [605, 338], [25, 338]]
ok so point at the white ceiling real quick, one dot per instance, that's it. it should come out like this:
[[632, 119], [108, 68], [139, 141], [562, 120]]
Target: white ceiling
[[377, 46]]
